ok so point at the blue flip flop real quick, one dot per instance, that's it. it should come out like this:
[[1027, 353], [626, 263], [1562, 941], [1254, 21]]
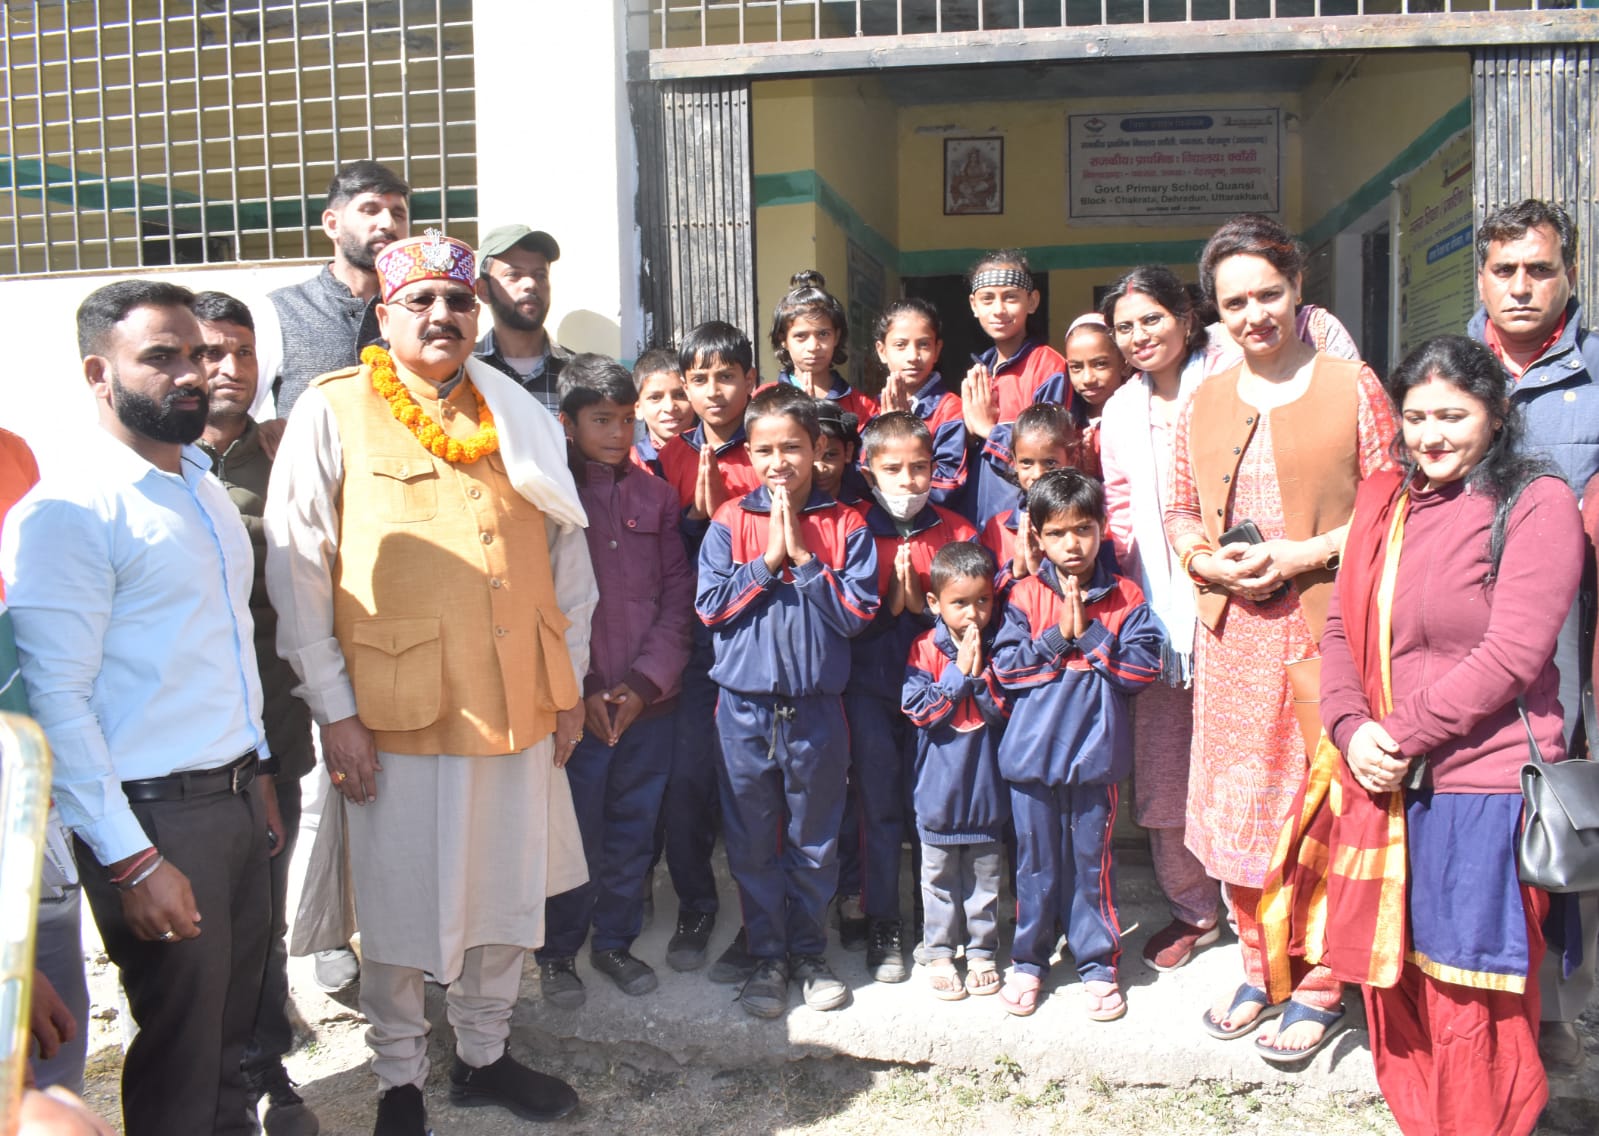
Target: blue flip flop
[[1245, 995], [1332, 1022]]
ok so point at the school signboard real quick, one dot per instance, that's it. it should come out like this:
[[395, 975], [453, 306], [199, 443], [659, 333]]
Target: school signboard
[[1437, 263], [1154, 165]]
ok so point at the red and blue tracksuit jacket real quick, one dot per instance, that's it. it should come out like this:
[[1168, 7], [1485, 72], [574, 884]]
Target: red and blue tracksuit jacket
[[786, 634], [679, 463], [999, 537], [862, 405], [1036, 373], [878, 655], [1070, 718], [960, 796], [937, 406]]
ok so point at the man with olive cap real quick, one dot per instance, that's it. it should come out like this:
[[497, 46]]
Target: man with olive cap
[[427, 561], [514, 281]]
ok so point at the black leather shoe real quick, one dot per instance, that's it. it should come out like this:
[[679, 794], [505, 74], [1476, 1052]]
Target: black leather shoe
[[631, 975], [529, 1094], [400, 1113], [686, 951]]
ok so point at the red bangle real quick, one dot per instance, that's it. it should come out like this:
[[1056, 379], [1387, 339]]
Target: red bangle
[[1188, 562], [144, 858]]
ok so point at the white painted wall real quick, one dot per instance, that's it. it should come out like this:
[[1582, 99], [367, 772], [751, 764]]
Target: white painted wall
[[555, 151], [43, 395]]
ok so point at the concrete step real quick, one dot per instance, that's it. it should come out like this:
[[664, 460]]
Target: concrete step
[[1160, 1042]]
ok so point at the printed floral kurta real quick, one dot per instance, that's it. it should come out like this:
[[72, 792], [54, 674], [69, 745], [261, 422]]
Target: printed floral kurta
[[1248, 757]]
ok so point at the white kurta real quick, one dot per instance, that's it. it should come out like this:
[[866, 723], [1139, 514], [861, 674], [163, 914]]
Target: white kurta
[[456, 852]]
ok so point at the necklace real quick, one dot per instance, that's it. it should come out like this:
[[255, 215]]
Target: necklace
[[413, 418]]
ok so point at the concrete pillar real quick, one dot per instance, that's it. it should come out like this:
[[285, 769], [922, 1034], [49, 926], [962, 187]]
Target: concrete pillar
[[555, 151]]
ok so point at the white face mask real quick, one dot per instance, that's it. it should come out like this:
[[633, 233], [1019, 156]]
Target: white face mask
[[903, 507]]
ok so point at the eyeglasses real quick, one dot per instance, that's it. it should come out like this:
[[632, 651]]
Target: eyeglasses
[[1149, 322], [421, 303]]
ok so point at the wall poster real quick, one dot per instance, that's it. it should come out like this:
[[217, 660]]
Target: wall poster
[[1437, 277]]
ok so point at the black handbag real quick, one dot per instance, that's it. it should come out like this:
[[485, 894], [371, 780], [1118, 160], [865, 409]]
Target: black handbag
[[1559, 846]]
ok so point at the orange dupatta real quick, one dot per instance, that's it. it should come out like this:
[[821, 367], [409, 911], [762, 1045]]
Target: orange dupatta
[[1335, 891]]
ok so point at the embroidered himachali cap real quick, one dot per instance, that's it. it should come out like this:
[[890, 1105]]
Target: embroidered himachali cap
[[433, 256]]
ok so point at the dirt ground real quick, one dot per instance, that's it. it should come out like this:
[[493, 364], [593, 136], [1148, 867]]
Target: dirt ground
[[837, 1097]]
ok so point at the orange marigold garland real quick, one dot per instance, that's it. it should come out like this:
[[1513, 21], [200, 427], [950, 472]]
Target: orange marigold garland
[[428, 432]]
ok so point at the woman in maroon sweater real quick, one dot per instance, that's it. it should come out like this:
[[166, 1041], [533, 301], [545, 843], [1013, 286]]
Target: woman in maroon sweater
[[1457, 574]]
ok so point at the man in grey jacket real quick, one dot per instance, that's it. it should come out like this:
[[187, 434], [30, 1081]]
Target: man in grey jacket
[[321, 324]]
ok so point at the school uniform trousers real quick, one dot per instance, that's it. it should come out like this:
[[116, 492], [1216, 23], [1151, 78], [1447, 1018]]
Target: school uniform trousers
[[1065, 877], [783, 770], [686, 834], [616, 792], [880, 762]]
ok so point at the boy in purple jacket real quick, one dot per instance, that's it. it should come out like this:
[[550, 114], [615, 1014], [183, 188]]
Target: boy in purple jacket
[[962, 803], [639, 646]]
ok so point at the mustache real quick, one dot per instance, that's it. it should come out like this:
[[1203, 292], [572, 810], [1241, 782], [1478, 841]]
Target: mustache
[[440, 333]]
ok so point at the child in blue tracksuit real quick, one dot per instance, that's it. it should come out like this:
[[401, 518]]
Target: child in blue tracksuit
[[962, 803], [1077, 641], [908, 531], [787, 576]]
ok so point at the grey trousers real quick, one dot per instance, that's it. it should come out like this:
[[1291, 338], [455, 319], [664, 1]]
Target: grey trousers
[[59, 957], [960, 899]]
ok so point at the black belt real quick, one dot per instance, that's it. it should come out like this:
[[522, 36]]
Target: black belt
[[233, 778]]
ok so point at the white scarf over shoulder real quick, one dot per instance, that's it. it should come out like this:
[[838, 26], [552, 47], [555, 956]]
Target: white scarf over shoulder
[[1125, 429], [532, 444]]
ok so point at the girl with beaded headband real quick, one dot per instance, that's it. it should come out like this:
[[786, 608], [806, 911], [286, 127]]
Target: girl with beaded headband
[[1016, 372], [809, 331]]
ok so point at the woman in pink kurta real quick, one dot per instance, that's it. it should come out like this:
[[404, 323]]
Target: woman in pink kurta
[[1248, 754]]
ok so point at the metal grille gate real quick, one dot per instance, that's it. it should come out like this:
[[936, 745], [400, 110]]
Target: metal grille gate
[[696, 205], [1533, 116]]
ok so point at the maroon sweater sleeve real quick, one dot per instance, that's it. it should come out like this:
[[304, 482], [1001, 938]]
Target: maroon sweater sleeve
[[1343, 700], [657, 670], [1537, 582]]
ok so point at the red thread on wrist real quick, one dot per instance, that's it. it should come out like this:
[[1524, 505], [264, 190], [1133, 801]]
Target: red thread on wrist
[[144, 858]]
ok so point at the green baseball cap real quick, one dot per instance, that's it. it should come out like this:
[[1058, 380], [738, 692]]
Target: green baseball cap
[[505, 237]]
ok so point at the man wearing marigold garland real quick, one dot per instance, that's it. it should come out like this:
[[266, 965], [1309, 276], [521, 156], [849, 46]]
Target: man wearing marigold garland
[[433, 585]]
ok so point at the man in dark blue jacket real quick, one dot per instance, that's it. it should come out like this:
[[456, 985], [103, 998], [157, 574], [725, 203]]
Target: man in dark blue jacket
[[1526, 268]]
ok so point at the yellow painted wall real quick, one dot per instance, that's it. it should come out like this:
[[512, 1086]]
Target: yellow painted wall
[[845, 130], [1356, 119], [785, 236]]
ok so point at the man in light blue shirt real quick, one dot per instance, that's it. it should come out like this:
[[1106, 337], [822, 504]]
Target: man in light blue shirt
[[128, 580]]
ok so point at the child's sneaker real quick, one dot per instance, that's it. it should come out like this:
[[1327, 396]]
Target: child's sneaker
[[631, 975], [818, 983], [885, 951], [560, 983], [735, 964], [851, 923], [686, 950], [765, 993]]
